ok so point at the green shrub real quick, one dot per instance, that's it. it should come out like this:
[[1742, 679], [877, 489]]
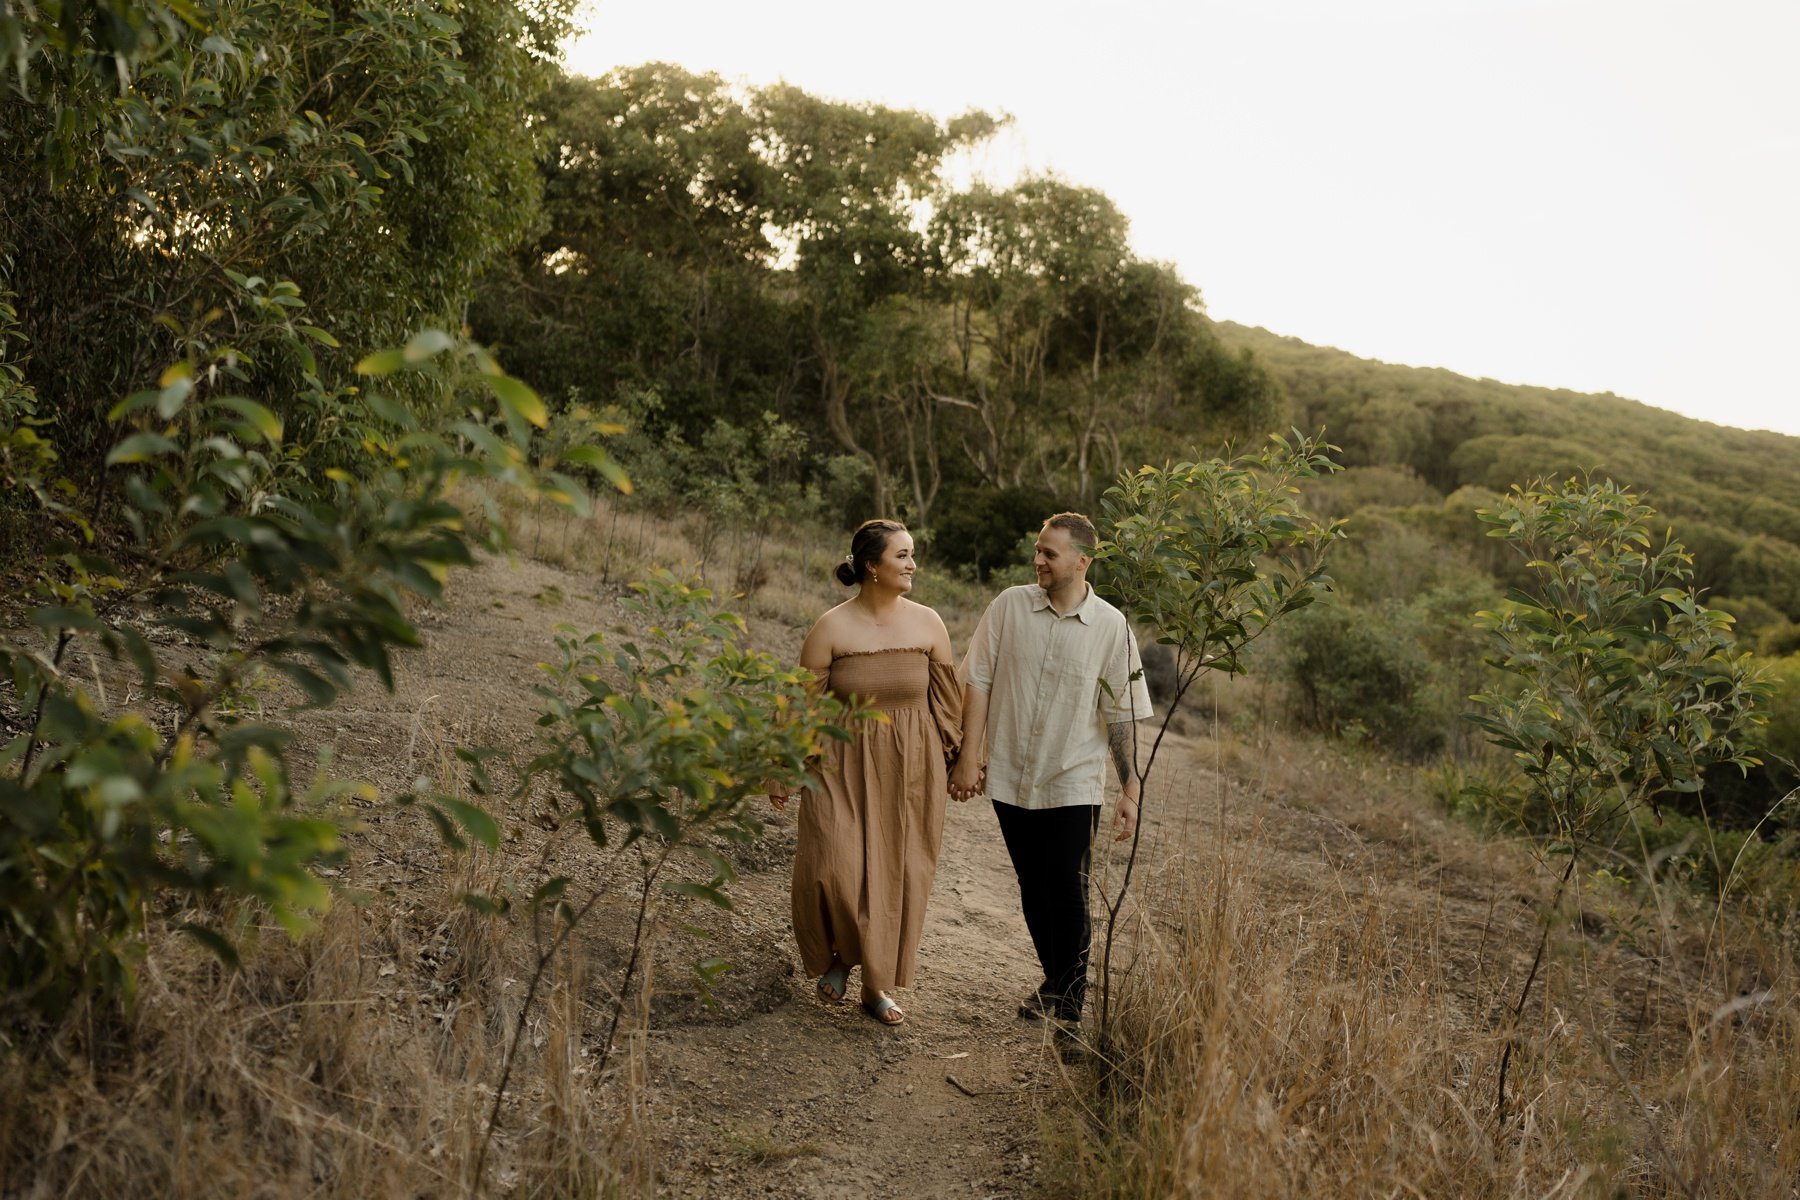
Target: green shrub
[[114, 792], [1362, 671]]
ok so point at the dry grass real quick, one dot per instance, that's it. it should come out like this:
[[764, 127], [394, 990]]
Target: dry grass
[[354, 1063], [1337, 1032]]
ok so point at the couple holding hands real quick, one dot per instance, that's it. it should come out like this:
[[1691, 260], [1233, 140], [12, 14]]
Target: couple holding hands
[[1041, 704]]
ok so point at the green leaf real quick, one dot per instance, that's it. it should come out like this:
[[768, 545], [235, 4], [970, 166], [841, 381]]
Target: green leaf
[[264, 422], [141, 447], [517, 398], [9, 753], [699, 891], [550, 891], [487, 905], [446, 827], [319, 690], [382, 362], [477, 820], [709, 969], [56, 618], [426, 344]]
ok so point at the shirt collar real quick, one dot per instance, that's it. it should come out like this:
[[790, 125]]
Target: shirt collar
[[1040, 599]]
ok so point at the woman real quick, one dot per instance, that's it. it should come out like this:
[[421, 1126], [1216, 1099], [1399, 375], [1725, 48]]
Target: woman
[[872, 819]]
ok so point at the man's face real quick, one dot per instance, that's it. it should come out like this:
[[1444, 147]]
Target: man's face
[[1057, 561]]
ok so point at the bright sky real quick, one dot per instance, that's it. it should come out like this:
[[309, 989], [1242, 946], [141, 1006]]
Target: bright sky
[[1601, 195]]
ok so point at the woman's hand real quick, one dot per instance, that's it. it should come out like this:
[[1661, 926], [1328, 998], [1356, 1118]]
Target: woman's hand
[[967, 778], [777, 795]]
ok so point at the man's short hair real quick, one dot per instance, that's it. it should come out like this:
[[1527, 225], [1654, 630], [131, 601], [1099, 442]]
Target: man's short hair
[[1080, 530]]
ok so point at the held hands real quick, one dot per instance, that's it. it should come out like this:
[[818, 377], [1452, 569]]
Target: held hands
[[778, 796], [968, 778]]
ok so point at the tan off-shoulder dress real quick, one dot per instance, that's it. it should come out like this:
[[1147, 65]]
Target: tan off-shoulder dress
[[872, 819]]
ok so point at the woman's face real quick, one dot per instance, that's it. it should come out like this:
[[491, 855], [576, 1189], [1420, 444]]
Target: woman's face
[[896, 566]]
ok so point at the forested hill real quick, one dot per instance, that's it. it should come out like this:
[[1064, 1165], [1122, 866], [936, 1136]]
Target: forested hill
[[1733, 495], [1454, 430]]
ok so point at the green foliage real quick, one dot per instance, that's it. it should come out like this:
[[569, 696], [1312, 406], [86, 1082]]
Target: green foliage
[[1782, 736], [982, 528], [1357, 488], [1768, 568], [666, 737], [108, 37], [655, 746], [1454, 432], [175, 176], [129, 770], [1365, 673], [745, 251], [1623, 684], [1211, 554]]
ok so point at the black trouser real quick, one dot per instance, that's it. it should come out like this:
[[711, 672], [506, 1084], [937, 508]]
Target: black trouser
[[1051, 849]]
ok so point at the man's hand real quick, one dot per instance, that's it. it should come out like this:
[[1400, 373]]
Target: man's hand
[[1125, 819], [776, 794], [966, 778]]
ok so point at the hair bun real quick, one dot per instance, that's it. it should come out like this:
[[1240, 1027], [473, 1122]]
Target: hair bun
[[845, 574]]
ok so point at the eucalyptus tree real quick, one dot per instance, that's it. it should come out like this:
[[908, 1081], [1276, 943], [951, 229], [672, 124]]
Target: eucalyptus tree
[[649, 269], [853, 179], [1073, 354], [1619, 685], [1020, 269]]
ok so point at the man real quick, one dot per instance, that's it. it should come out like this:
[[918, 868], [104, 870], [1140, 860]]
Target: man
[[1032, 688]]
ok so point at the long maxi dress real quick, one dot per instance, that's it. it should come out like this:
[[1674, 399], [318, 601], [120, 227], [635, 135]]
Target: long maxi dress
[[872, 819]]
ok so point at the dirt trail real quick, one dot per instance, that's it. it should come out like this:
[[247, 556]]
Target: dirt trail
[[772, 1091]]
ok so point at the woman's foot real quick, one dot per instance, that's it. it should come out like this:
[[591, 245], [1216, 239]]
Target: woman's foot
[[882, 1007], [834, 984]]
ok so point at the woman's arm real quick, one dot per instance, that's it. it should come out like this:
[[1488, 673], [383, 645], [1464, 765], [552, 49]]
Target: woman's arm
[[815, 656], [816, 651], [940, 640]]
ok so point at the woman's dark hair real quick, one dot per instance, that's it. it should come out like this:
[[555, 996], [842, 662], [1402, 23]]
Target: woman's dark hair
[[867, 545]]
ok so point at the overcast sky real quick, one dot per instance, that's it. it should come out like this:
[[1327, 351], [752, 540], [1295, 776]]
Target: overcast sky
[[1593, 194]]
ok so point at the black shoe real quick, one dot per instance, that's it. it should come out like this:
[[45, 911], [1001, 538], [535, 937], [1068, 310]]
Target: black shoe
[[1045, 1005]]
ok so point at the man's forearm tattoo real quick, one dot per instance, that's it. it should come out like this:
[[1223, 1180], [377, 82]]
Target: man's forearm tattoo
[[1121, 742]]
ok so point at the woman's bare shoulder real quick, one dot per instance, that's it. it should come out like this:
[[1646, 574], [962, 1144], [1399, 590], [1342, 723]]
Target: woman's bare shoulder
[[930, 629], [924, 614], [822, 639]]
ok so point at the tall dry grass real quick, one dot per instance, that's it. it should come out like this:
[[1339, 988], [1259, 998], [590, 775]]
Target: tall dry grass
[[360, 1060], [343, 1065], [1336, 1031]]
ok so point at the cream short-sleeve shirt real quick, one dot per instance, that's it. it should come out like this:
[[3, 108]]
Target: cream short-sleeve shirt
[[1047, 710]]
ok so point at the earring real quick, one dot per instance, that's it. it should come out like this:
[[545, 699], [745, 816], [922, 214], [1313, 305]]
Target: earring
[[874, 578]]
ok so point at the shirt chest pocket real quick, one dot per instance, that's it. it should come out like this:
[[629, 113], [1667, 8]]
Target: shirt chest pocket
[[1068, 675]]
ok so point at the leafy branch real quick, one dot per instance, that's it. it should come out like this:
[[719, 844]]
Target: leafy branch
[[1623, 686], [1210, 555]]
